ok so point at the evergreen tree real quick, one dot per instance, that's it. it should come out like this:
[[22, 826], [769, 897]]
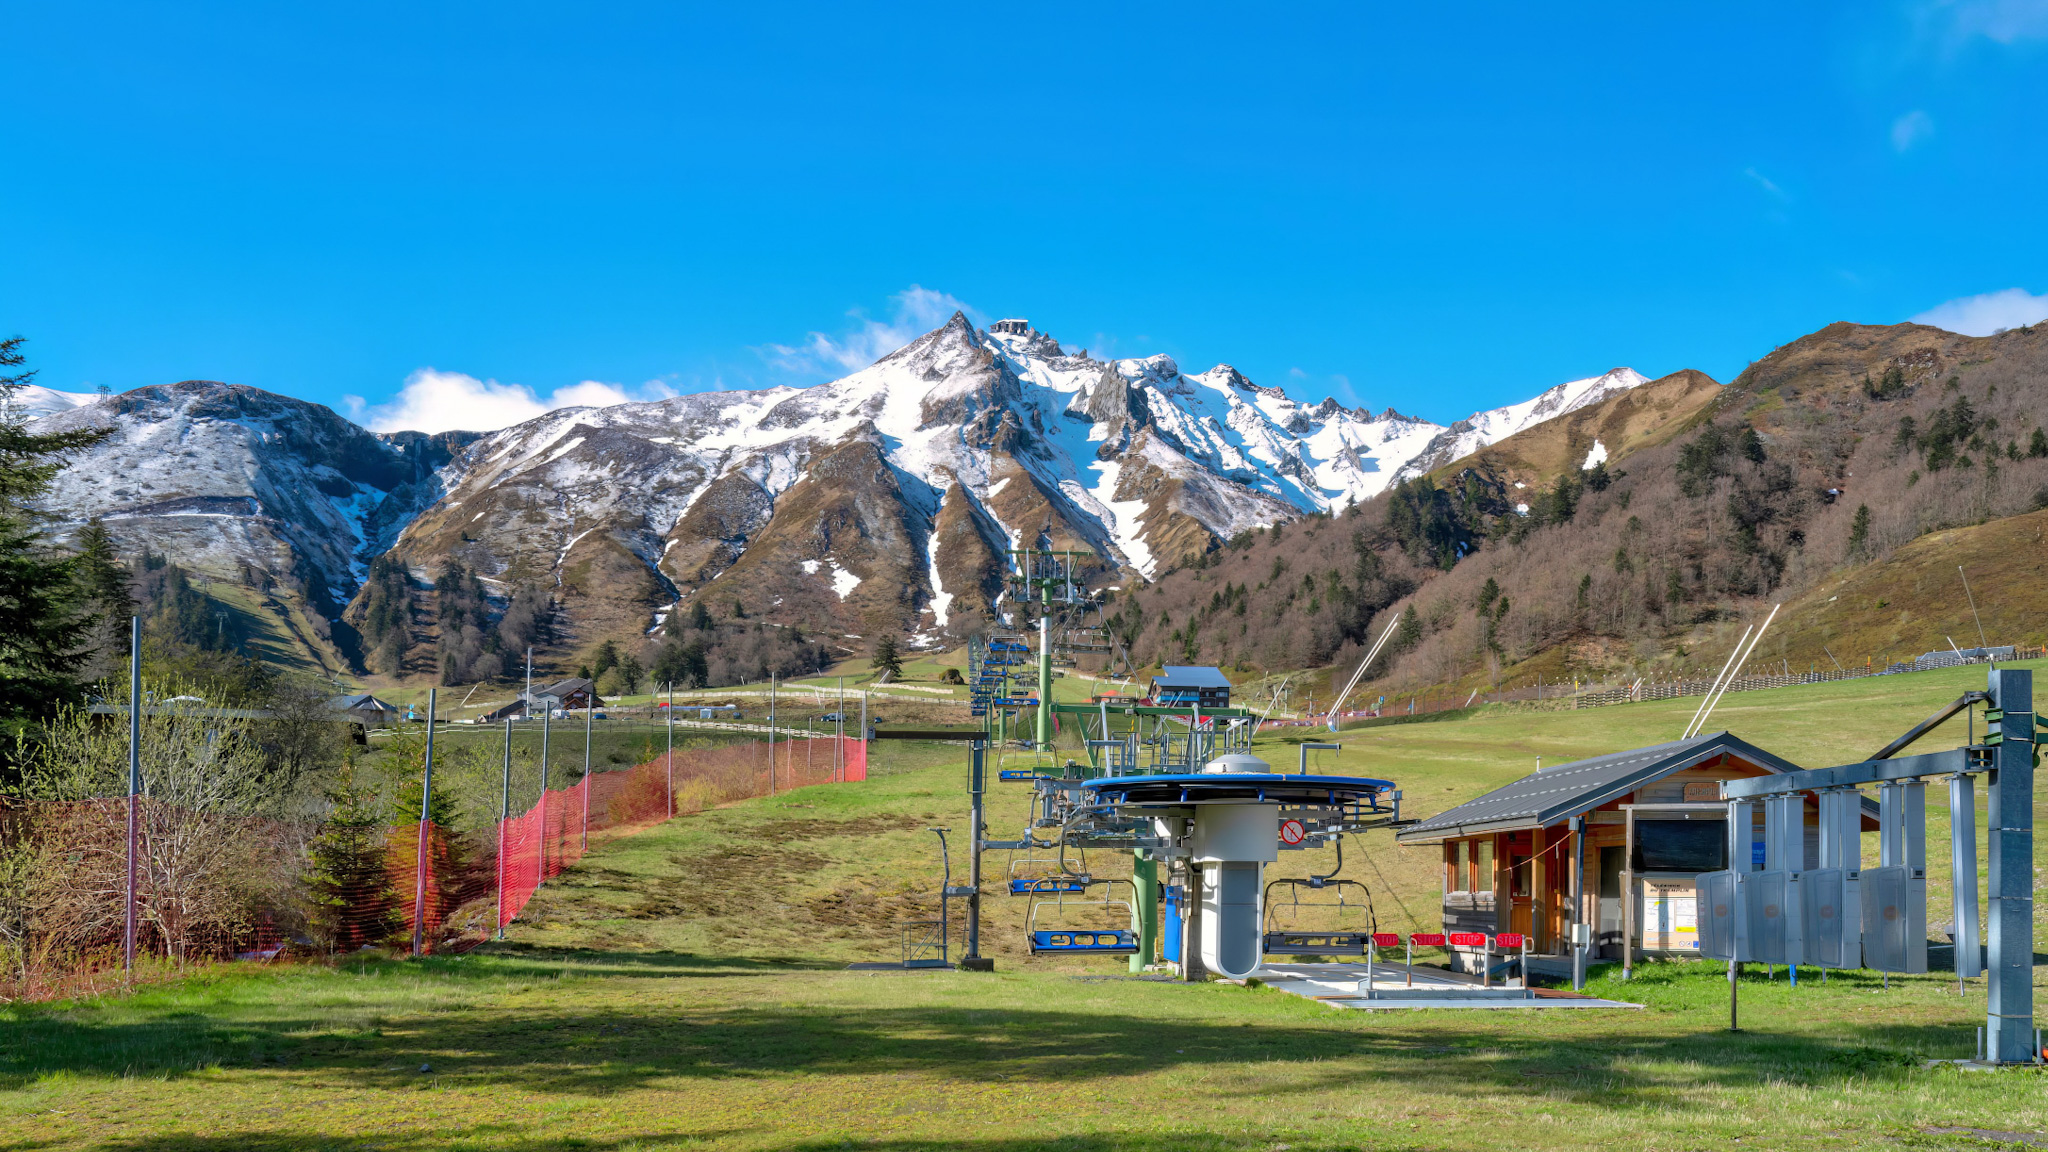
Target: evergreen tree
[[347, 883], [45, 623], [886, 659], [1859, 532], [604, 659], [103, 584], [1410, 633], [387, 614], [630, 673], [700, 616]]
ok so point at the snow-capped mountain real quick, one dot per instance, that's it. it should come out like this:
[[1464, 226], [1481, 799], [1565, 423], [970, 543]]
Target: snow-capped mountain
[[887, 498], [1482, 428], [33, 402], [241, 484], [883, 500]]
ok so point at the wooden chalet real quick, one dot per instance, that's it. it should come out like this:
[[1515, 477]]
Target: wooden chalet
[[571, 695], [1653, 821]]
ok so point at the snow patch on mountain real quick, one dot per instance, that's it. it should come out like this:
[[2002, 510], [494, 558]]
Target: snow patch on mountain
[[1483, 428], [33, 402]]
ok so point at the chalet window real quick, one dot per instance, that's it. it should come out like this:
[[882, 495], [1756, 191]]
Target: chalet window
[[1681, 846]]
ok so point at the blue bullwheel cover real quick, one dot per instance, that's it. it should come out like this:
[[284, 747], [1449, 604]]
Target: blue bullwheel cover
[[1218, 787]]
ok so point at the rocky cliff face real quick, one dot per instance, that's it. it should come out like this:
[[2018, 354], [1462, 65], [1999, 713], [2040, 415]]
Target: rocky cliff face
[[245, 485], [883, 501], [888, 499]]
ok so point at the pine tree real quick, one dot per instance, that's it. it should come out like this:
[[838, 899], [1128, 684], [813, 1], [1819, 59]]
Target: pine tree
[[1859, 532], [45, 624], [1410, 633], [103, 584], [887, 660], [347, 882], [604, 659]]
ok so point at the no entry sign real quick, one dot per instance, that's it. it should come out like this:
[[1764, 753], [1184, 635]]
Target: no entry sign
[[1292, 832]]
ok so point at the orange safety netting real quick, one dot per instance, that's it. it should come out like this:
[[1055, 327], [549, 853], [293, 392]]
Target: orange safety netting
[[208, 887], [538, 844]]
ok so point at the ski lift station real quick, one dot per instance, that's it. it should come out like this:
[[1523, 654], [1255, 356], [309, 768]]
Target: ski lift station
[[1621, 837], [1707, 847]]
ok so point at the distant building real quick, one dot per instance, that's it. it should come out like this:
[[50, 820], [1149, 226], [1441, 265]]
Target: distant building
[[365, 709], [1179, 685], [516, 710], [571, 695]]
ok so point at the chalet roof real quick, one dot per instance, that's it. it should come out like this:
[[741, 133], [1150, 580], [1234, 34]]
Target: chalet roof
[[1551, 795], [360, 702], [1186, 676], [563, 689]]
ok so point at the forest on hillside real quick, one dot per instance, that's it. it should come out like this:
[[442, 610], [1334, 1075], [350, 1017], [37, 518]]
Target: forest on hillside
[[1791, 475]]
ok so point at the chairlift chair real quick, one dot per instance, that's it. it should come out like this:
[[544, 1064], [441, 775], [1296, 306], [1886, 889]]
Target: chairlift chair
[[1335, 920], [1097, 941], [1026, 870]]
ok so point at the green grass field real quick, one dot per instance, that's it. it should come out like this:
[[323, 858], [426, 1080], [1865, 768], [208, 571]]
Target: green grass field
[[685, 988]]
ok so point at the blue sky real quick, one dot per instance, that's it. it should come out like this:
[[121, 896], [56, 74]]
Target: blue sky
[[1439, 211]]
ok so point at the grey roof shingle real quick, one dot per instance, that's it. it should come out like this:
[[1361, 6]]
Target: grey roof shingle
[[1565, 790]]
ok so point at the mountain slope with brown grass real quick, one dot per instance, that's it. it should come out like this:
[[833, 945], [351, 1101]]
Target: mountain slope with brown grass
[[1617, 427], [1861, 463]]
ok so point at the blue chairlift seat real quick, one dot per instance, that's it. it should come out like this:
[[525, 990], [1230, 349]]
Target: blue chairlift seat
[[1109, 942], [1018, 775], [1046, 885]]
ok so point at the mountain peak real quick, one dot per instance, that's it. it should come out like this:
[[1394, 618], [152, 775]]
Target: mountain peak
[[1019, 336]]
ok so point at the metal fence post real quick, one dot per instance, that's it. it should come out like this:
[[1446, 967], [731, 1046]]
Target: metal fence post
[[589, 709], [134, 786], [419, 897], [540, 875], [670, 762], [504, 814]]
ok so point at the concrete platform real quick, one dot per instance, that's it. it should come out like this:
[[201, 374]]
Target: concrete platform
[[1396, 986]]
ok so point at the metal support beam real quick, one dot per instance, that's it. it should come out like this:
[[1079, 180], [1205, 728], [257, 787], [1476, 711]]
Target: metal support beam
[[1962, 854], [1928, 725], [1316, 745], [2009, 1014], [1850, 775], [977, 786]]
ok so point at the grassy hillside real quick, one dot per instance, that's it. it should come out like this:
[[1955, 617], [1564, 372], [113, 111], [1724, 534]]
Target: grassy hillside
[[683, 989], [1642, 417]]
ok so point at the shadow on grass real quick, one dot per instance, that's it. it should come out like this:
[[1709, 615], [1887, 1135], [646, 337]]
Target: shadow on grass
[[494, 961], [501, 1138], [594, 1051]]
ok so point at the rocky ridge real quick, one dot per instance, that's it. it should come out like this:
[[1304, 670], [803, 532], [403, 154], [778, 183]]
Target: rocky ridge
[[882, 501]]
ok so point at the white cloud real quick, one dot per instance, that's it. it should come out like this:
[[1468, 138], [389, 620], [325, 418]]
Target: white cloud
[[913, 312], [1911, 129], [2002, 20], [436, 401], [1987, 314], [1766, 183]]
